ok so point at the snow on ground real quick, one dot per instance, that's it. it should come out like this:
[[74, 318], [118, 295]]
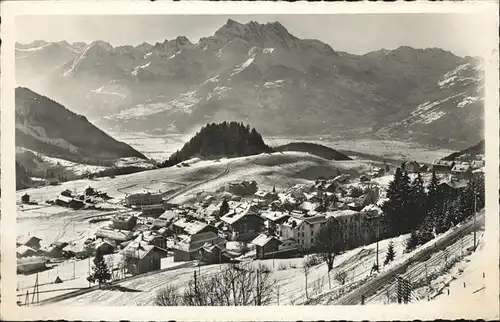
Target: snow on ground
[[243, 66], [76, 168], [101, 90], [469, 271], [275, 84], [136, 69], [286, 272], [40, 134], [183, 103]]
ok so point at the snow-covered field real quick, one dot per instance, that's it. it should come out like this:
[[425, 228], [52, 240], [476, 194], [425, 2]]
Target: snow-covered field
[[287, 273]]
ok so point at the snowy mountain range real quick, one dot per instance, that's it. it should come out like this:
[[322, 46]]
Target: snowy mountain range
[[263, 75]]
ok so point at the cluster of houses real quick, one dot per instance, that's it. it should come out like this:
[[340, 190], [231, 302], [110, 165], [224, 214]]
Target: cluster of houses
[[276, 224], [69, 199]]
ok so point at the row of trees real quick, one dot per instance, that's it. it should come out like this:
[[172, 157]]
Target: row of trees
[[219, 140], [233, 285], [427, 211]]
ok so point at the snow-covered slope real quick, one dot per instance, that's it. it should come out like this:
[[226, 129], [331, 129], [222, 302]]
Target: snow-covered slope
[[45, 126]]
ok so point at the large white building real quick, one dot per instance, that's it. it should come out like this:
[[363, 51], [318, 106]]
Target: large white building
[[302, 230], [141, 199]]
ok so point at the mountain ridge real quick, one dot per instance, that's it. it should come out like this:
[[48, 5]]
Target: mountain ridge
[[264, 75], [45, 126]]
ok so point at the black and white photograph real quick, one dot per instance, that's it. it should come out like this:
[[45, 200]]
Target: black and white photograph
[[245, 159]]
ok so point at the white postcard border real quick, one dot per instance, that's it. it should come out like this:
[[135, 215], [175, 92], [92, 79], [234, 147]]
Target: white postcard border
[[9, 309]]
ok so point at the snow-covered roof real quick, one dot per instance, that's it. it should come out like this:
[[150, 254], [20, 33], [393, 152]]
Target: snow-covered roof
[[263, 239], [460, 168], [120, 235], [194, 227], [342, 213], [273, 215], [372, 208], [137, 250], [24, 249], [309, 206], [458, 184], [315, 219], [75, 248], [290, 222], [64, 198], [443, 162], [236, 214], [22, 240]]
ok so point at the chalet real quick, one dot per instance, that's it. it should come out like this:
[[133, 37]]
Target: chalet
[[364, 178], [478, 164], [191, 227], [266, 195], [124, 221], [106, 247], [54, 250], [77, 250], [453, 187], [115, 235], [29, 241], [287, 248], [152, 210], [142, 258], [243, 223], [275, 218], [341, 178], [63, 201], [25, 199], [31, 264], [244, 188], [67, 193], [462, 171], [442, 166], [189, 248], [142, 199], [152, 238], [25, 251], [412, 167], [266, 246], [214, 254]]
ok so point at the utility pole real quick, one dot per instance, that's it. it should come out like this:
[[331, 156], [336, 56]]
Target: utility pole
[[195, 283], [475, 209], [278, 295], [426, 275]]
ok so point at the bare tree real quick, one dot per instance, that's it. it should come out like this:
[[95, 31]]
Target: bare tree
[[305, 269], [328, 242], [235, 285], [168, 296]]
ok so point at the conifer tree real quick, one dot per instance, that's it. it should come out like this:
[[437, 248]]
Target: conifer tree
[[417, 199], [224, 208], [101, 272], [432, 192], [394, 206], [412, 242], [389, 257]]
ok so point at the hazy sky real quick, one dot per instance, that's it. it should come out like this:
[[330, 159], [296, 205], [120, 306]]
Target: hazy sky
[[358, 34]]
